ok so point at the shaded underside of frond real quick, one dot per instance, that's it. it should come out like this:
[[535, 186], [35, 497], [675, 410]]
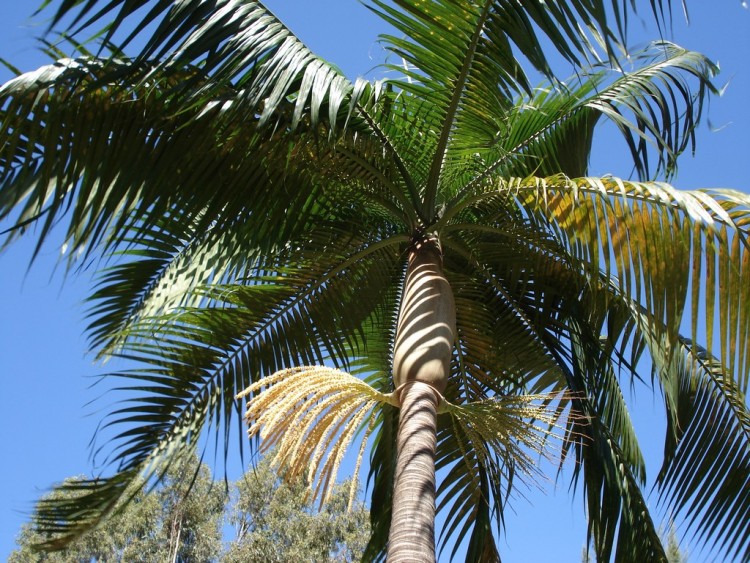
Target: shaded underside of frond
[[705, 476]]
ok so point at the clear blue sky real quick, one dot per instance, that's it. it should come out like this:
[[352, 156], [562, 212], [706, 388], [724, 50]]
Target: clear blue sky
[[46, 420]]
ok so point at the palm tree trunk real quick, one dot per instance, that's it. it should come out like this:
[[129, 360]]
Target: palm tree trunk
[[412, 535], [424, 343]]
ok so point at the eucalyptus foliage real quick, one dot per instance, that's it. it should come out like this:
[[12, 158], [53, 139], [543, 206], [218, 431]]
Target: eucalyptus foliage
[[166, 524], [189, 517]]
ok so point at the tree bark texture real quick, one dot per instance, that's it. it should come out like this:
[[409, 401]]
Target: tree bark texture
[[424, 343]]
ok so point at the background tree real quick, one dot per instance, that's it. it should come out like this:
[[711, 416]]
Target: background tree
[[274, 521], [436, 232], [674, 553], [192, 513], [278, 522], [128, 534], [166, 524]]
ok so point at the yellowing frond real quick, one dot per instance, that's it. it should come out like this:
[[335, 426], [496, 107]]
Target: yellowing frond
[[682, 255], [310, 415]]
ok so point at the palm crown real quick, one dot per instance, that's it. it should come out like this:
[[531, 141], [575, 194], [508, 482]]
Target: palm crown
[[259, 212]]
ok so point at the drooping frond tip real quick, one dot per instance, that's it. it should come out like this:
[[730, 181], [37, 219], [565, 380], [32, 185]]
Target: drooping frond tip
[[312, 414]]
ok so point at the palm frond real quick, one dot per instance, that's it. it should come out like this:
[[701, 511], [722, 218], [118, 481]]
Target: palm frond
[[619, 521], [486, 446], [450, 68], [460, 59], [499, 345], [591, 326], [655, 106], [188, 375], [239, 43], [704, 476], [80, 163], [707, 440], [89, 501], [169, 266], [653, 241], [102, 115], [665, 110]]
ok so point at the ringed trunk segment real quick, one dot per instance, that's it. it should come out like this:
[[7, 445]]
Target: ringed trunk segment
[[412, 534], [424, 344]]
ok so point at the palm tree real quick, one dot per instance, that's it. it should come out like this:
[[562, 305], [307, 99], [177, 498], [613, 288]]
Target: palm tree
[[434, 235]]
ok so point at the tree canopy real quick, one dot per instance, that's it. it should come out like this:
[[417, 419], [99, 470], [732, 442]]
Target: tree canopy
[[270, 520], [358, 256]]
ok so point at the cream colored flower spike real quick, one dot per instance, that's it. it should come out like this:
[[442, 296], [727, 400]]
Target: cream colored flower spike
[[311, 415]]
